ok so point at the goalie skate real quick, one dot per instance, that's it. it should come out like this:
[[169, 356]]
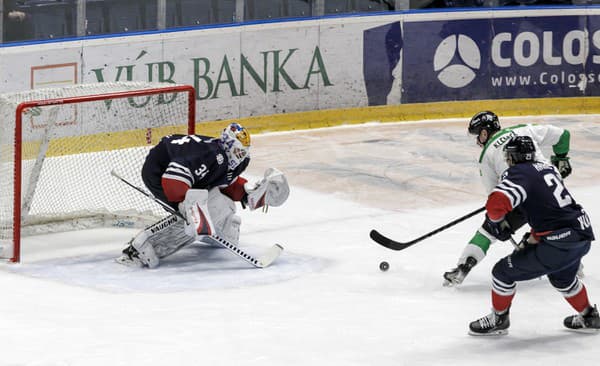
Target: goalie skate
[[130, 258]]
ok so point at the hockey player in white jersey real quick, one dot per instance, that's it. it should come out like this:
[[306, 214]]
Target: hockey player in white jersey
[[492, 138], [199, 177]]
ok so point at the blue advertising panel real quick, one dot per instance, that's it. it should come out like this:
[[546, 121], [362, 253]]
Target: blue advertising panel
[[525, 57], [381, 55]]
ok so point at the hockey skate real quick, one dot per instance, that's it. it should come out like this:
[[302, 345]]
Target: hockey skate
[[490, 325], [130, 258], [589, 321], [457, 275]]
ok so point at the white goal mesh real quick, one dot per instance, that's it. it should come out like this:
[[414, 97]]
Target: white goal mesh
[[58, 147]]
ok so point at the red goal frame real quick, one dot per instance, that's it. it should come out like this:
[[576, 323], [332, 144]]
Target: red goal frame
[[71, 100]]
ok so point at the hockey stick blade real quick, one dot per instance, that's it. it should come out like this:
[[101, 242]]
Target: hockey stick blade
[[387, 242], [270, 255], [265, 260]]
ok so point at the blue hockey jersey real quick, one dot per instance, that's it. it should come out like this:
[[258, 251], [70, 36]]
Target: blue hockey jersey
[[539, 190], [180, 162]]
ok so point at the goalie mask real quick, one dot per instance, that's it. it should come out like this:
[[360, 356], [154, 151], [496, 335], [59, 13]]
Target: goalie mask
[[484, 121], [519, 149], [236, 142]]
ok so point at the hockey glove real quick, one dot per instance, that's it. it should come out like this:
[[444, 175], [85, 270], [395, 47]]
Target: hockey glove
[[272, 190], [528, 239], [501, 230], [561, 162]]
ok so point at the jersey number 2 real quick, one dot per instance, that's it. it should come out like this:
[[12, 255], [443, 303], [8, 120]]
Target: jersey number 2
[[562, 198]]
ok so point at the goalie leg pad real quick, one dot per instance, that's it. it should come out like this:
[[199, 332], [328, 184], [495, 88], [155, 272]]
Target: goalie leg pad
[[170, 240], [144, 249], [160, 240], [195, 209], [222, 211], [210, 213], [231, 229]]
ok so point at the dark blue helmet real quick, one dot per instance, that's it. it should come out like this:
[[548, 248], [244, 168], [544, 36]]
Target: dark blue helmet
[[519, 149]]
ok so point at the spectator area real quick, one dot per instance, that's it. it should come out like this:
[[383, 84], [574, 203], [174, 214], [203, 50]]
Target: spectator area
[[51, 19]]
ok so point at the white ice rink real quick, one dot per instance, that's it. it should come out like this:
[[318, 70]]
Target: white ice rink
[[325, 302]]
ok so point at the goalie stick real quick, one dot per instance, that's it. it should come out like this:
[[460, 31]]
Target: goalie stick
[[396, 245], [265, 260]]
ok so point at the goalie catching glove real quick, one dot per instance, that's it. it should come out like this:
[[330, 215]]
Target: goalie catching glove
[[272, 190]]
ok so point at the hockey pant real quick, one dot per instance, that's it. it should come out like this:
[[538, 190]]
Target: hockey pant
[[559, 263]]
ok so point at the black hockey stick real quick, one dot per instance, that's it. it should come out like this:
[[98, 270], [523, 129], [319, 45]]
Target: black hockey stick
[[164, 205], [396, 245], [268, 257]]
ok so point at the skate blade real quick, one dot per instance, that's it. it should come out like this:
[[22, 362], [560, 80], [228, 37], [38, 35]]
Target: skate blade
[[500, 332], [128, 262], [585, 330], [451, 283]]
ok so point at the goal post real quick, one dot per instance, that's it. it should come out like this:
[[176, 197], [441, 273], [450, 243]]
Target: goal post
[[58, 147]]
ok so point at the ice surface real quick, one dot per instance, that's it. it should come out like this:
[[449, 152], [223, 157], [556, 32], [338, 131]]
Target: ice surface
[[325, 301]]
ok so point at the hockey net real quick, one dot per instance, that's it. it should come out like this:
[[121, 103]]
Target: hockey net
[[58, 147]]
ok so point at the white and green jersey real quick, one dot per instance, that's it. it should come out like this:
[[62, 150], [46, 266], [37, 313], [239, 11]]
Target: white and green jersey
[[545, 137]]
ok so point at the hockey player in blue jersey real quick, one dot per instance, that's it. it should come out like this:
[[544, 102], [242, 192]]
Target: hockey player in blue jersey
[[561, 234], [200, 177]]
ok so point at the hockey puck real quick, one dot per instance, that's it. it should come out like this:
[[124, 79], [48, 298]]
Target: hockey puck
[[384, 266]]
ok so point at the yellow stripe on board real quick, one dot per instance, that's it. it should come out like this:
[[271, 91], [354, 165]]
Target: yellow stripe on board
[[407, 112], [101, 142], [324, 118]]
